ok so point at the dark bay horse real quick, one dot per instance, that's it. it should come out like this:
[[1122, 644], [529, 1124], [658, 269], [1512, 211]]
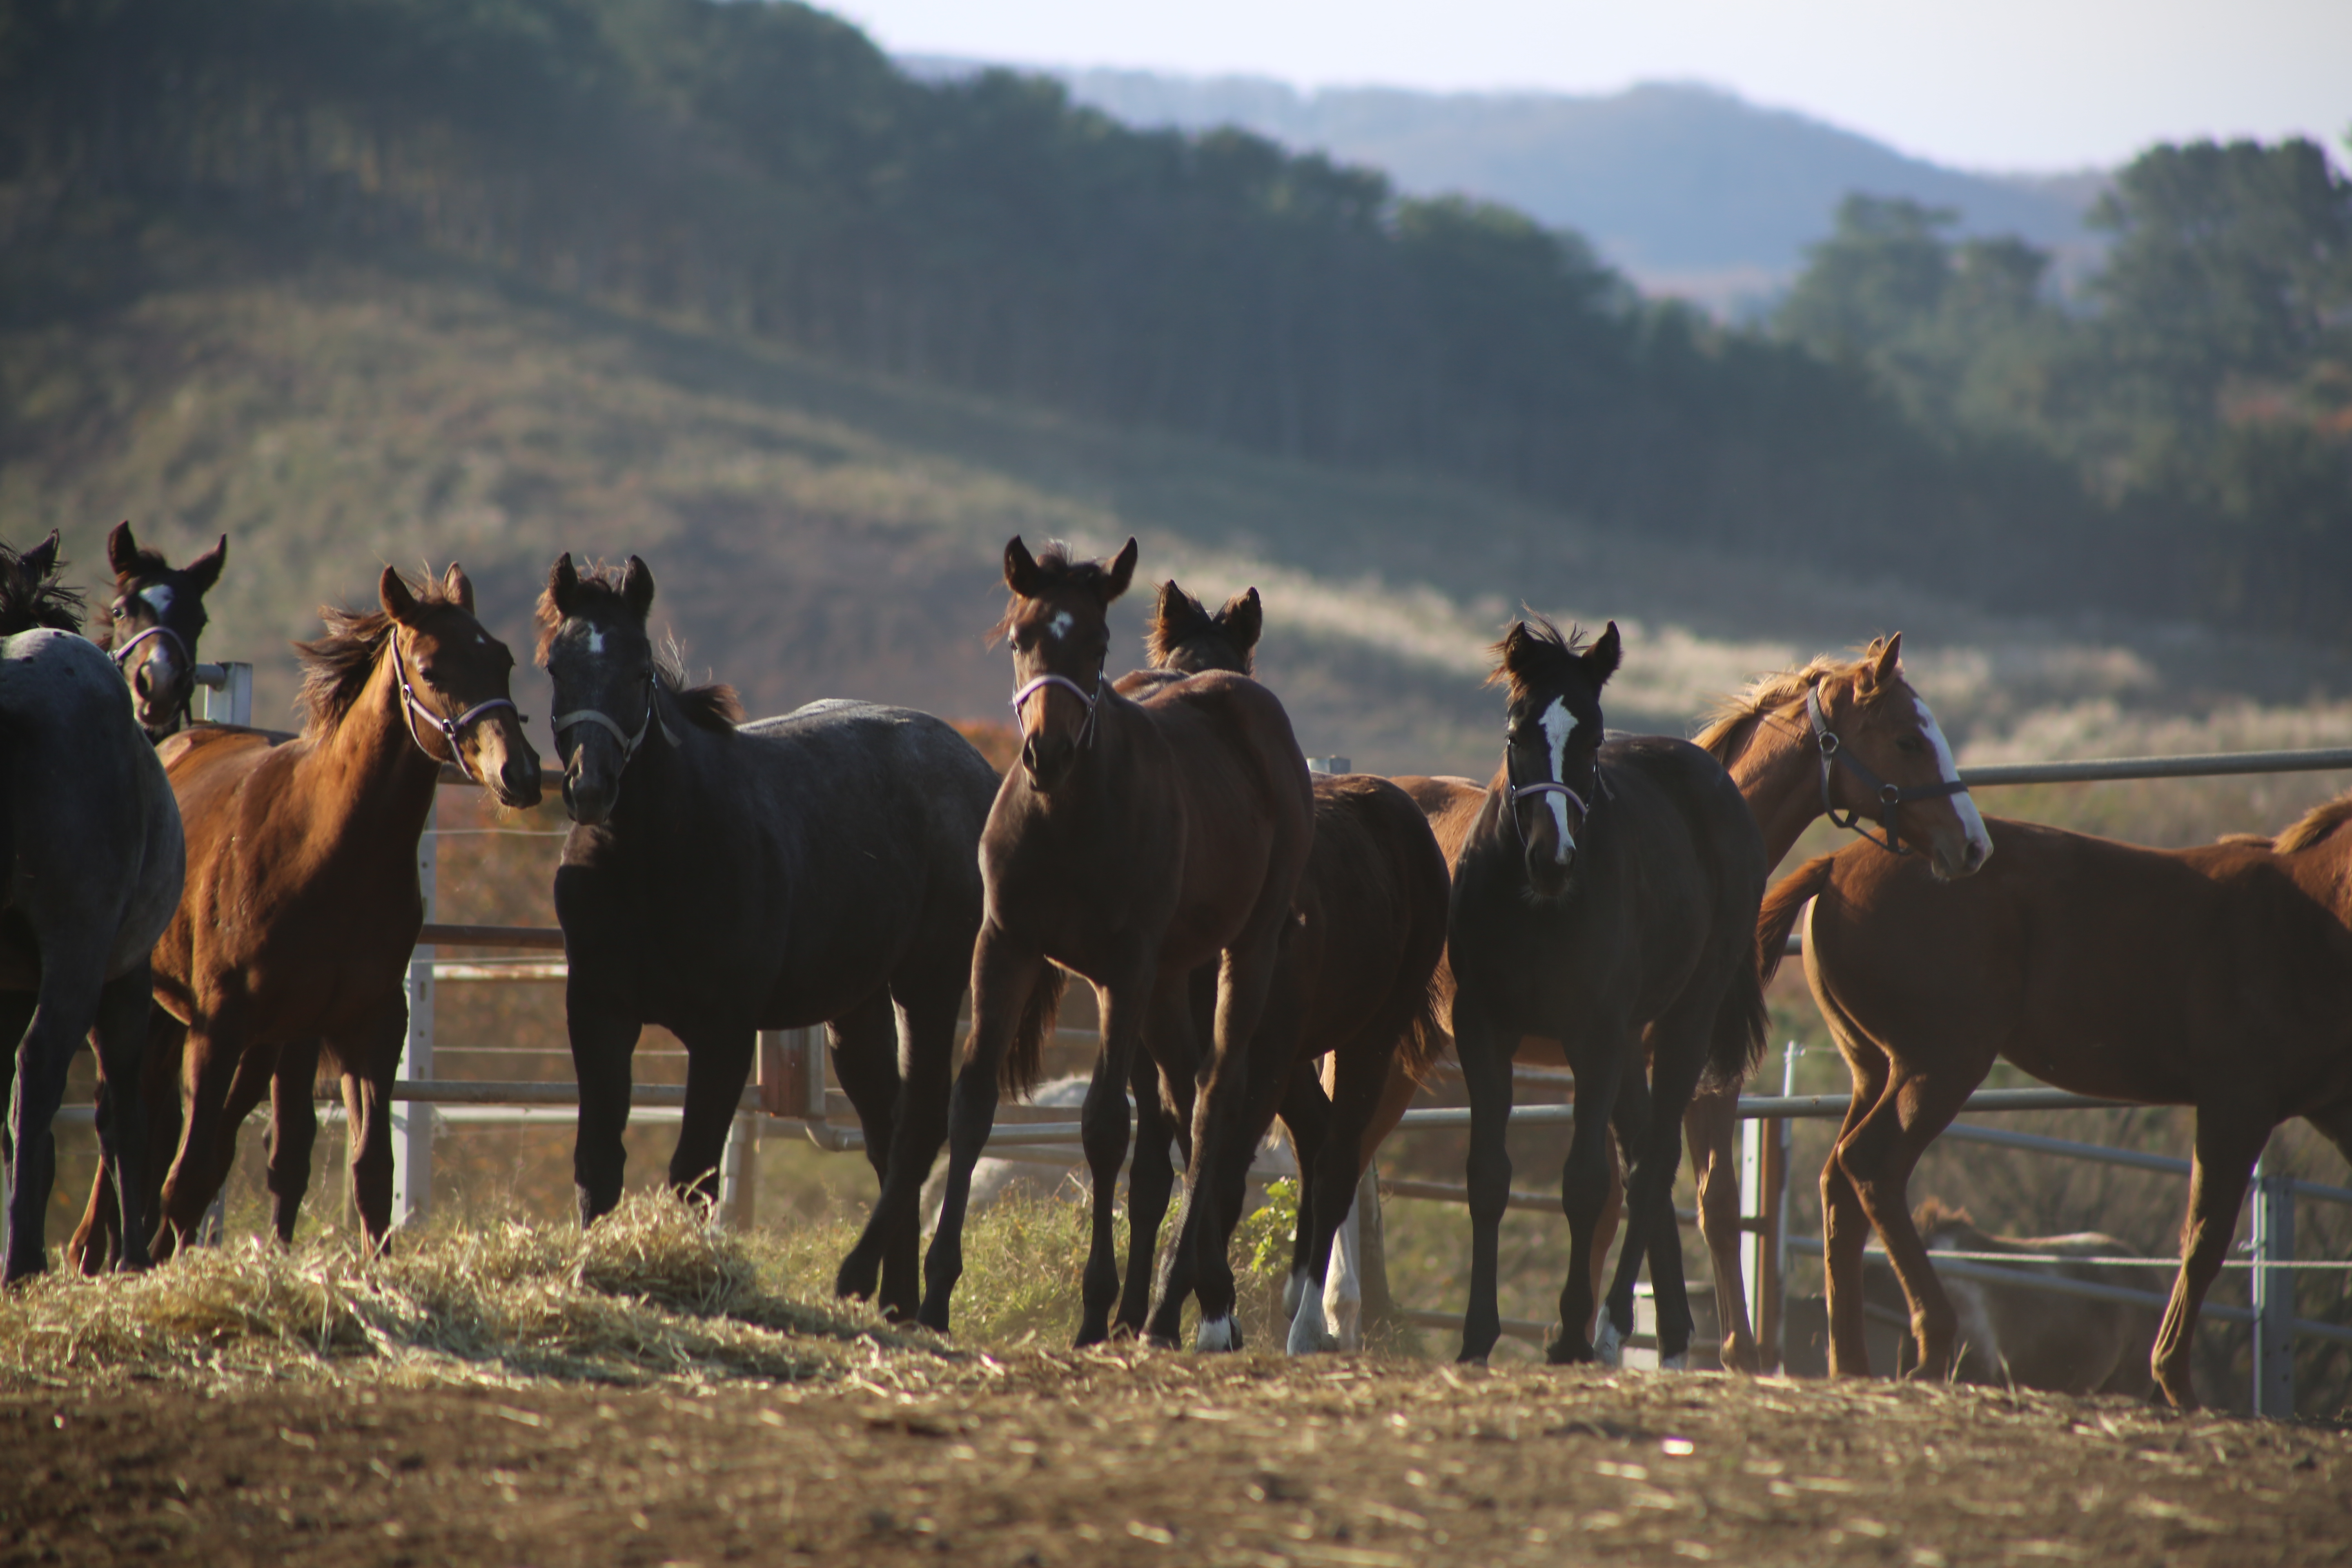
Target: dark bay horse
[[1605, 899], [2206, 977], [1139, 839], [723, 878], [302, 905], [153, 624], [92, 845], [1353, 983]]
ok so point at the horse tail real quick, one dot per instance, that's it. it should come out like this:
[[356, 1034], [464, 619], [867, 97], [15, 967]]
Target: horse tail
[[1427, 883], [1741, 1025], [1024, 1059], [1778, 917]]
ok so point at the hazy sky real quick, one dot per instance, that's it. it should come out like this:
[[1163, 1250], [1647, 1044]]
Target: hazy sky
[[1984, 84]]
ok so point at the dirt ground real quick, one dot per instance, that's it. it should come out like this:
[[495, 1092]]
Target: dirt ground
[[1129, 1457]]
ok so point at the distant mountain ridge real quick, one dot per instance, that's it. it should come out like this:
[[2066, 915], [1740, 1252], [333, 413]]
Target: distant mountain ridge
[[1687, 189]]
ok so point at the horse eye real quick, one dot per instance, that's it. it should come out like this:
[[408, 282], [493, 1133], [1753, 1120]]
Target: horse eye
[[1910, 743]]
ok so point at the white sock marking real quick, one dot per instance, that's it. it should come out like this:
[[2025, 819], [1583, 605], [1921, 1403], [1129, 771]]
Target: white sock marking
[[1558, 724], [1949, 771], [1608, 1345], [1216, 1334]]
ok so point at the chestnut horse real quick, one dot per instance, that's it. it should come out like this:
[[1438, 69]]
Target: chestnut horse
[[1137, 840], [1605, 899], [93, 858], [302, 906], [153, 624], [723, 878], [2205, 977], [1353, 983]]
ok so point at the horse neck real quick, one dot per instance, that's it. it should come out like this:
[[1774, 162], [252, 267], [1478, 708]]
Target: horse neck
[[1779, 771], [371, 778], [2324, 870]]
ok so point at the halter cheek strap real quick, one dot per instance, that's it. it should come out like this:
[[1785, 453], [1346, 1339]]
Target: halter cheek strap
[[1091, 698], [629, 744], [1891, 798], [451, 728]]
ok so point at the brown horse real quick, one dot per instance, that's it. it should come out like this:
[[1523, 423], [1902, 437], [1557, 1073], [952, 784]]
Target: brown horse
[[2204, 978], [153, 624], [1136, 841], [1353, 983], [302, 906]]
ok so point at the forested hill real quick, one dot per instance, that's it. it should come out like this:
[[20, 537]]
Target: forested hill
[[763, 169]]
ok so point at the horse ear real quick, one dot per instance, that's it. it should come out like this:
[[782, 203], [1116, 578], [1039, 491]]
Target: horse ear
[[1514, 647], [562, 584], [121, 549], [1243, 619], [638, 587], [1890, 659], [456, 586], [1122, 572], [1601, 660], [1020, 568], [42, 559], [206, 569], [391, 591]]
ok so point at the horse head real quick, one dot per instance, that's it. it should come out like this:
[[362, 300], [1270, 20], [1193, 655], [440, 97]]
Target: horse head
[[1186, 638], [30, 594], [1884, 756], [1551, 759], [1058, 623], [599, 653], [454, 678], [154, 624]]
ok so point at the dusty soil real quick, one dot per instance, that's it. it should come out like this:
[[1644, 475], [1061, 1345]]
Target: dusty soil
[[1129, 1456]]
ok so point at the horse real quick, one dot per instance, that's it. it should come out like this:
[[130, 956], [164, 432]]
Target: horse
[[1849, 739], [153, 625], [2013, 1334], [2206, 977], [1138, 838], [1605, 897], [1353, 983], [302, 906], [95, 858], [720, 878]]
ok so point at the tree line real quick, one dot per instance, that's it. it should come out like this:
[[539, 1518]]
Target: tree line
[[1919, 407]]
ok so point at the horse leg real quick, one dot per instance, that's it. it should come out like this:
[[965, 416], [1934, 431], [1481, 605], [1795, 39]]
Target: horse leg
[[369, 1056], [1584, 1194], [1845, 1225], [1274, 1072], [46, 1031], [1712, 1128], [717, 1066], [1359, 1079], [208, 1070], [603, 1041], [926, 1031], [1678, 1056], [1103, 1129], [293, 1133], [2229, 1141], [1878, 1156], [120, 1038], [1003, 973], [1307, 1114], [1487, 1075], [97, 1242], [866, 1061], [1150, 1173]]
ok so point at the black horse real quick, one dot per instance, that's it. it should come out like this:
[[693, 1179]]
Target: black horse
[[1606, 898], [724, 878], [90, 841], [153, 625]]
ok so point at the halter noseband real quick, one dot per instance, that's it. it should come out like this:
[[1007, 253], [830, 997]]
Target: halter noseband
[[629, 744], [1092, 699], [1891, 798], [1515, 792], [122, 654], [451, 728]]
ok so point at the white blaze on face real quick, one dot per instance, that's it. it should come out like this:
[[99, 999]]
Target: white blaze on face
[[1558, 724], [1060, 625], [1949, 771], [595, 641], [158, 597]]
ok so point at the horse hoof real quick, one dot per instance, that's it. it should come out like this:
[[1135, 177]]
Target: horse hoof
[[1309, 1334], [1674, 1362], [1609, 1345], [1219, 1334], [1294, 1291]]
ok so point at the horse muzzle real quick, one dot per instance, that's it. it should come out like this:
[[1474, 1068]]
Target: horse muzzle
[[1048, 759]]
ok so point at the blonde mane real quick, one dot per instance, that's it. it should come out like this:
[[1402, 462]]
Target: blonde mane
[[1731, 722], [2315, 825]]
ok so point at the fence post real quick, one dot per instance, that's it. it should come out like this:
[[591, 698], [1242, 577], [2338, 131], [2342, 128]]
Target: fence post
[[738, 1173], [412, 1119], [2273, 1292], [792, 1073], [230, 702]]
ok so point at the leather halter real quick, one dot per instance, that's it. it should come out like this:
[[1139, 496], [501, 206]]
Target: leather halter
[[1092, 699], [1515, 792], [451, 728], [122, 654], [1891, 798], [629, 744]]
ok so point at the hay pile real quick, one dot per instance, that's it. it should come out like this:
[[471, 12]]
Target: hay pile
[[651, 1292]]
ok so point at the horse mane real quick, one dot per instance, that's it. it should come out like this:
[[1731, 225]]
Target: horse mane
[[31, 598], [336, 667], [1057, 568], [1548, 644], [2313, 825], [1730, 722], [712, 706]]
